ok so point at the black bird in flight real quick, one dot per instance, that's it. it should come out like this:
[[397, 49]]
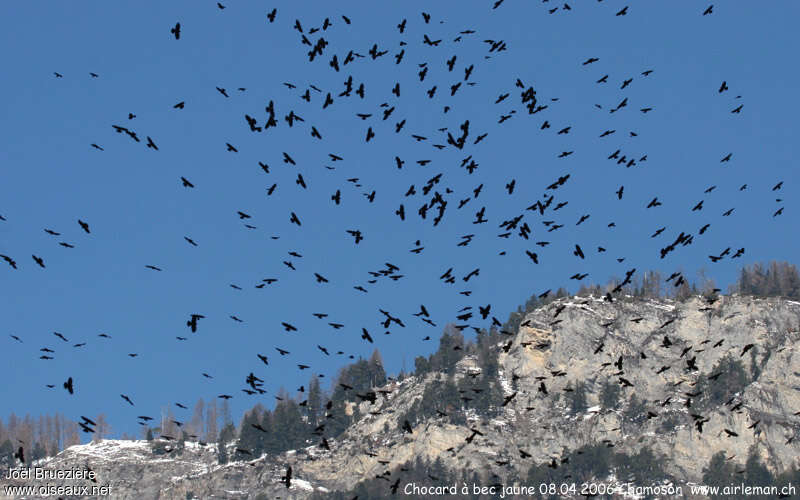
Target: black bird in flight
[[176, 31], [68, 386], [126, 398], [38, 260], [654, 203], [11, 262], [365, 335], [84, 225], [192, 323], [355, 234]]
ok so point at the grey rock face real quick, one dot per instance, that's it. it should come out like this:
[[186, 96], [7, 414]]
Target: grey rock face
[[564, 352]]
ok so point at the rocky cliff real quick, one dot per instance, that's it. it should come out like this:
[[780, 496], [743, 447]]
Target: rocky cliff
[[579, 371]]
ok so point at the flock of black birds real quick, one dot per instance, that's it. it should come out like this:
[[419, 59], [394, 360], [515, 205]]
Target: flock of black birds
[[440, 197]]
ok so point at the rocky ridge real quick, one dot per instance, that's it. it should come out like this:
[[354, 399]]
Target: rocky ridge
[[568, 343]]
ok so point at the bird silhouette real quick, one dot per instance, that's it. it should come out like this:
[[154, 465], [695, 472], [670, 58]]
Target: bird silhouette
[[11, 262], [287, 477], [192, 323]]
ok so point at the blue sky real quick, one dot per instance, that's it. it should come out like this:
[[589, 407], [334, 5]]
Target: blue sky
[[139, 213]]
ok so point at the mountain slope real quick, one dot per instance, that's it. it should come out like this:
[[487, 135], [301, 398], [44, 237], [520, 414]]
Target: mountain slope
[[736, 357]]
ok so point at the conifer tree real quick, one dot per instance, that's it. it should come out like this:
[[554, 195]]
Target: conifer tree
[[7, 453], [38, 452], [181, 443], [226, 435], [421, 366], [609, 394], [377, 374], [756, 473], [314, 407], [250, 437], [719, 471], [577, 399], [292, 431], [271, 444]]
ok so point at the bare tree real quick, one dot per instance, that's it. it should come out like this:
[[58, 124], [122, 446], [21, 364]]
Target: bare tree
[[102, 429], [168, 426], [706, 284], [211, 422], [71, 435], [197, 424]]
